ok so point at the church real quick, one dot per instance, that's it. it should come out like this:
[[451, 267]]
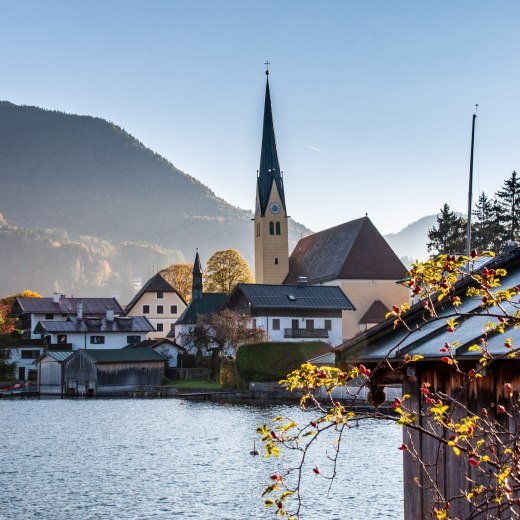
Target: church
[[353, 255]]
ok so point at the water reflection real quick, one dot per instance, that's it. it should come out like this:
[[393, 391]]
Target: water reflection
[[155, 459]]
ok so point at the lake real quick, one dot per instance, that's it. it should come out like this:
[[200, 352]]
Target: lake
[[166, 458]]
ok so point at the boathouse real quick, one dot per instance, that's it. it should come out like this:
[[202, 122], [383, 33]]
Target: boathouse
[[384, 348], [95, 372]]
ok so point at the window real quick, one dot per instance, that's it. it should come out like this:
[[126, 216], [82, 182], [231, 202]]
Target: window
[[271, 228], [160, 327], [21, 373], [160, 309], [32, 375], [30, 354], [97, 340], [276, 324], [294, 324], [278, 229], [309, 324], [258, 230], [173, 309], [130, 340], [62, 338], [49, 316], [146, 309], [328, 324], [160, 295], [276, 261]]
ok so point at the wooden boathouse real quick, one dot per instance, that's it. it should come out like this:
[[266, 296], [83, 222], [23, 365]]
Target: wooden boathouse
[[95, 372]]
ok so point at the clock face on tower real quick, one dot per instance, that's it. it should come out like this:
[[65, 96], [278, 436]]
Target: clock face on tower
[[274, 208]]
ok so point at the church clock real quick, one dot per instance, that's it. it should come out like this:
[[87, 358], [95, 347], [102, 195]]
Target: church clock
[[274, 208]]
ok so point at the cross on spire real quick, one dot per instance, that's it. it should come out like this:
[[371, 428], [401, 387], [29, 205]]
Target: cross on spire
[[267, 67]]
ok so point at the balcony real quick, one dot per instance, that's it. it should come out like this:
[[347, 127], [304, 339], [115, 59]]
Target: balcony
[[306, 333]]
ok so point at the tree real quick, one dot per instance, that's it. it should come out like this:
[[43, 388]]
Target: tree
[[485, 440], [449, 235], [225, 269], [180, 277], [509, 199], [484, 227], [215, 335]]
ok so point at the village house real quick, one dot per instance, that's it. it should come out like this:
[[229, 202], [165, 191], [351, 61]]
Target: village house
[[29, 311], [84, 332], [99, 372], [23, 353], [353, 255], [160, 303], [298, 312]]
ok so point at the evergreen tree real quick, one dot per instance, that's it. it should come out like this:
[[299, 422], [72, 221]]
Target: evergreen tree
[[497, 227], [509, 200], [450, 233], [483, 229]]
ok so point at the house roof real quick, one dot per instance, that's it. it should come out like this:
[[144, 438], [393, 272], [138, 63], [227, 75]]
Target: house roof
[[122, 355], [91, 306], [154, 343], [58, 355], [210, 303], [288, 297], [354, 250], [71, 325], [155, 284], [376, 313], [269, 172], [383, 341]]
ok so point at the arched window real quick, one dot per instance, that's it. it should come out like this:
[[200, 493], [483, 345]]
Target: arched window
[[271, 228], [278, 230]]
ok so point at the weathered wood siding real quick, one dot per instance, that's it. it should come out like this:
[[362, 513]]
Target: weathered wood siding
[[442, 465], [117, 378], [50, 377]]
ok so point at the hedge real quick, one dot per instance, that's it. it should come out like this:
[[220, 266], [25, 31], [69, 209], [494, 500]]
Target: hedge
[[273, 361], [230, 377]]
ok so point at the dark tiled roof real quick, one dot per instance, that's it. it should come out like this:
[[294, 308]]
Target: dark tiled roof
[[122, 355], [155, 284], [381, 341], [376, 313], [91, 306], [210, 303], [269, 172], [134, 324], [354, 250], [319, 297]]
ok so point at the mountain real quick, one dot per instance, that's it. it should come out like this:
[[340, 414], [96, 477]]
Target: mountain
[[90, 177], [410, 242], [81, 189]]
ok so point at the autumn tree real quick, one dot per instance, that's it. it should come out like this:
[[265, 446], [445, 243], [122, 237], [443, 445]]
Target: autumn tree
[[180, 277], [219, 334], [449, 235], [225, 269]]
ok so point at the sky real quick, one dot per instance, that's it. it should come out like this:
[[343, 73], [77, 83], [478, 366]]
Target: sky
[[372, 100]]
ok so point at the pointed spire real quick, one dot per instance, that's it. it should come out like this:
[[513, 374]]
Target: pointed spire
[[196, 286], [269, 165]]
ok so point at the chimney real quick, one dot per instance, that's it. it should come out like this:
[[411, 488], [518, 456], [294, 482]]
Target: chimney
[[56, 297], [79, 310], [302, 280], [110, 314]]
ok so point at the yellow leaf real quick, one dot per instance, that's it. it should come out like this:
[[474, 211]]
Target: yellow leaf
[[473, 348]]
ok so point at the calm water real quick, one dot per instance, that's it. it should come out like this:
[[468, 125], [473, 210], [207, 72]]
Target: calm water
[[163, 459]]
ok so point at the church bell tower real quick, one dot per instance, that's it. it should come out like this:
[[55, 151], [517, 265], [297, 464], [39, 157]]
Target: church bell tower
[[271, 220]]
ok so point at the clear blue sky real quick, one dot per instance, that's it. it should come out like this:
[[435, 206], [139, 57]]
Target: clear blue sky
[[372, 100]]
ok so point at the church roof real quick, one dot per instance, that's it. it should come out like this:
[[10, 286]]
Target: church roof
[[210, 303], [354, 250], [269, 165], [155, 284], [376, 313]]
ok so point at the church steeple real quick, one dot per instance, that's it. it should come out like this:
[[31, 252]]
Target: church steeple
[[196, 287], [269, 172], [271, 220]]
